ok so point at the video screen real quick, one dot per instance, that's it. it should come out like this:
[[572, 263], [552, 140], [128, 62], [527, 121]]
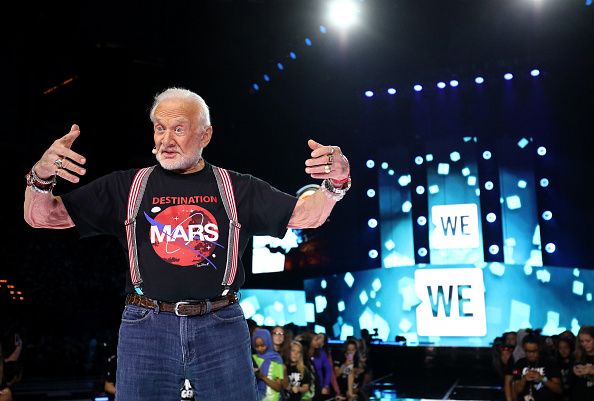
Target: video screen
[[276, 307], [452, 305]]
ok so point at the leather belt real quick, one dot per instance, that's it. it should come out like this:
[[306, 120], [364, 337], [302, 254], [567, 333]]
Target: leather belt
[[184, 308]]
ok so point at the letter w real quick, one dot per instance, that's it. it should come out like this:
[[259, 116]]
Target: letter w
[[447, 303]]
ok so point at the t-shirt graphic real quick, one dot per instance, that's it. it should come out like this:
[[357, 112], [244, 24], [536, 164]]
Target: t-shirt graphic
[[184, 235]]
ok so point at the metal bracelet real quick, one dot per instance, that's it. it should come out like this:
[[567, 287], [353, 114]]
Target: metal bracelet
[[35, 177], [335, 196]]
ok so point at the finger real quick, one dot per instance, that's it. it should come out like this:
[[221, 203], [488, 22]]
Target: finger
[[67, 176], [68, 139], [72, 155], [323, 169], [69, 165], [313, 145], [320, 161], [325, 150]]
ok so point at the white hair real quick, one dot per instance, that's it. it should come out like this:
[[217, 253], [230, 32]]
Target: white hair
[[181, 93]]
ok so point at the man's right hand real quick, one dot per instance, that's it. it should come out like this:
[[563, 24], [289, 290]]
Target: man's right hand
[[60, 160]]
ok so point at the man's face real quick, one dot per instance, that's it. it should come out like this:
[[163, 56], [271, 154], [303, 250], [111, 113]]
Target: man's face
[[179, 137], [532, 351]]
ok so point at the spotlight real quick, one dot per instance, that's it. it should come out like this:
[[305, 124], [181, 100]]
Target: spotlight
[[479, 80], [266, 78], [292, 55], [323, 29], [535, 72], [422, 252], [390, 172], [489, 185], [370, 163], [420, 190], [486, 155], [550, 247], [441, 85], [544, 182], [494, 249], [384, 165], [419, 160], [541, 151], [343, 13], [547, 215], [421, 220], [391, 91], [372, 253], [508, 76], [256, 87], [307, 41], [372, 223], [454, 83], [491, 217], [369, 93], [417, 88], [280, 66], [371, 193]]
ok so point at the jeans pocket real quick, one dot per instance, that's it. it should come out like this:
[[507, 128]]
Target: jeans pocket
[[135, 314], [231, 313]]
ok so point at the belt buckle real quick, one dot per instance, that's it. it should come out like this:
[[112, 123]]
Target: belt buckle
[[177, 305]]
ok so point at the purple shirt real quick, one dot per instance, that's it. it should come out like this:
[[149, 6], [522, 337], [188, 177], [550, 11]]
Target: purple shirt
[[323, 369]]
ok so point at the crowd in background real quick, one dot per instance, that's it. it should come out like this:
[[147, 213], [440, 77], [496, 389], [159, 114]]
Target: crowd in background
[[534, 367]]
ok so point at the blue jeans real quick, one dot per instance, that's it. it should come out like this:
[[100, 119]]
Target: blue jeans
[[158, 350]]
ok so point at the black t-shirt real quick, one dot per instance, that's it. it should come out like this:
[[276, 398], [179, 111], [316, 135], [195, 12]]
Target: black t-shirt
[[540, 392], [182, 227], [297, 379], [582, 388]]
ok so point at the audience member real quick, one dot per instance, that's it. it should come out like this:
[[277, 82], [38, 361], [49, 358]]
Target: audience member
[[270, 372], [300, 378], [565, 361], [281, 341], [321, 363], [583, 368], [344, 369]]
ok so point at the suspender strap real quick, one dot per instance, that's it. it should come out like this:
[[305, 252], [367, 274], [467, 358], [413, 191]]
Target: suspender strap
[[134, 199], [228, 197]]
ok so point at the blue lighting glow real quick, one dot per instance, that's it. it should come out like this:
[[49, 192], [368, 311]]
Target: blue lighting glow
[[323, 29], [441, 85], [535, 72], [491, 217], [547, 215], [489, 185], [454, 83], [550, 247], [369, 93], [370, 163], [508, 76], [390, 172], [307, 41], [417, 88], [292, 55], [494, 249], [280, 66], [544, 182], [384, 165], [422, 252], [421, 220], [486, 155], [419, 160], [371, 192], [541, 151], [256, 87], [372, 223], [373, 254], [479, 80], [266, 78], [420, 190], [391, 91]]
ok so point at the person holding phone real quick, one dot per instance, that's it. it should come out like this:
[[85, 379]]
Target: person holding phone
[[583, 368]]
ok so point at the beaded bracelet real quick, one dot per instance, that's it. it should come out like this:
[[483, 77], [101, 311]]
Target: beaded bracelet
[[39, 184]]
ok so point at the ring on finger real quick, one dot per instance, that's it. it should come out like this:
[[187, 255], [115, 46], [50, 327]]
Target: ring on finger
[[330, 158], [331, 149], [59, 163], [327, 168]]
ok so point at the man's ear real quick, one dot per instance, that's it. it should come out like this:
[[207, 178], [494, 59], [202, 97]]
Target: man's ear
[[206, 136]]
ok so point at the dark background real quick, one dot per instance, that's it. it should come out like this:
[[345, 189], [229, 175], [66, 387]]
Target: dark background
[[120, 54]]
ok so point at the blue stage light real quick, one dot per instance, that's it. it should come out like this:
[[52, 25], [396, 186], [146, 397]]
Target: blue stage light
[[544, 182], [256, 87], [266, 78], [479, 80], [494, 249], [486, 155], [422, 252], [547, 215], [418, 88], [384, 165], [391, 91], [371, 193], [390, 172], [454, 83], [535, 72], [373, 253], [292, 55], [489, 185], [420, 190], [541, 151], [280, 66], [508, 76], [369, 93], [372, 223], [323, 29], [550, 247], [370, 163], [441, 85], [419, 160], [421, 220], [491, 217], [307, 41]]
